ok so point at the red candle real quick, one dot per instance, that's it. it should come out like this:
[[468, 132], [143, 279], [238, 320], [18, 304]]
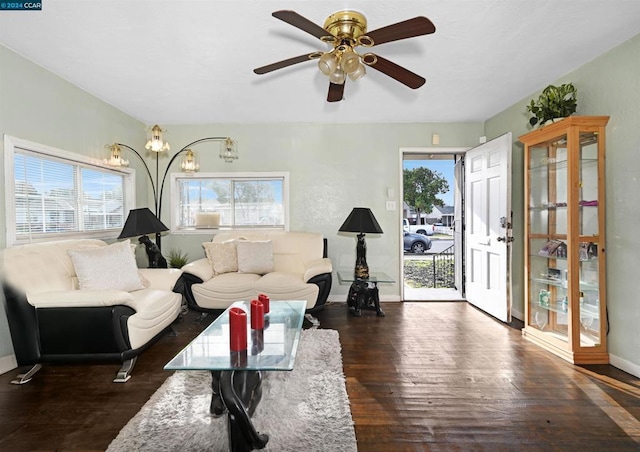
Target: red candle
[[265, 301], [237, 329], [257, 315]]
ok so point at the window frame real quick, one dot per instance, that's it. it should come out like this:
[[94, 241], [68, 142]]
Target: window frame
[[240, 176], [12, 145]]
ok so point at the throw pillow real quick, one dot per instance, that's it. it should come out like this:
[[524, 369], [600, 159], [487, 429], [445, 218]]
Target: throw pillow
[[107, 267], [222, 256], [255, 257]]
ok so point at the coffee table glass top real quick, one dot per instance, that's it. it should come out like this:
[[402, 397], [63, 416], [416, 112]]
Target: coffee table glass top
[[374, 277], [210, 350]]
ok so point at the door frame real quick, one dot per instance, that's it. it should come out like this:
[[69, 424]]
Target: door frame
[[418, 151]]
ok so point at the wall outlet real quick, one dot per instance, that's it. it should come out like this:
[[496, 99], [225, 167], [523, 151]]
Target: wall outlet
[[391, 205]]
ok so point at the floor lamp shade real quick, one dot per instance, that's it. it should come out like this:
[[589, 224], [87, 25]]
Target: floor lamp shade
[[141, 222], [361, 220]]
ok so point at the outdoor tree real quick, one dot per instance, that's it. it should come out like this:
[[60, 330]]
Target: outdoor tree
[[422, 187]]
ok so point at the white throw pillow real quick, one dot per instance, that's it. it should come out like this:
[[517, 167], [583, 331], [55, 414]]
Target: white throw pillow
[[255, 257], [108, 267], [222, 256]]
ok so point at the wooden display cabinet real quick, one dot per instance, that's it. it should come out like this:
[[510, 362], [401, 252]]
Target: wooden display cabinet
[[565, 305]]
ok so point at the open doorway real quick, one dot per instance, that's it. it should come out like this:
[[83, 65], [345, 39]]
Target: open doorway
[[431, 216]]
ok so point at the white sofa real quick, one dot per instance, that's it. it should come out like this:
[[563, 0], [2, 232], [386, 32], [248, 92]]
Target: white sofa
[[300, 271], [55, 317]]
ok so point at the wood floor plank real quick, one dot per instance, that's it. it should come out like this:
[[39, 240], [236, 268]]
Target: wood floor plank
[[427, 377]]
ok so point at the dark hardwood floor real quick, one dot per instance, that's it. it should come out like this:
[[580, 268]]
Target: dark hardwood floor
[[428, 376]]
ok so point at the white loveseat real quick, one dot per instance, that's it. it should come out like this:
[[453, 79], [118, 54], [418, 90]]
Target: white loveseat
[[299, 270], [112, 312]]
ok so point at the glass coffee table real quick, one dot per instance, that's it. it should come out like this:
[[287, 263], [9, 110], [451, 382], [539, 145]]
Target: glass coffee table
[[237, 376], [363, 293]]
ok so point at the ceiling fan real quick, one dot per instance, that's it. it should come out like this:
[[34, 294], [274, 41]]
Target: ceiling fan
[[346, 30]]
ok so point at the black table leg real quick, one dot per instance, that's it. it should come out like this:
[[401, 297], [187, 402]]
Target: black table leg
[[239, 392], [364, 294], [376, 300]]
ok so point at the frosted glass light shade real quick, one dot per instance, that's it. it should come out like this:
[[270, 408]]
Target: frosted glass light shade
[[337, 77], [349, 61], [327, 64], [358, 73], [190, 162], [156, 143]]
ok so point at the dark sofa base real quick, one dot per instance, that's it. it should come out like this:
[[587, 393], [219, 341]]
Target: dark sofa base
[[70, 335], [186, 280]]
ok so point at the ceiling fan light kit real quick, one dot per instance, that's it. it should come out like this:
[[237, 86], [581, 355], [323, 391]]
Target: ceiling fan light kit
[[346, 30]]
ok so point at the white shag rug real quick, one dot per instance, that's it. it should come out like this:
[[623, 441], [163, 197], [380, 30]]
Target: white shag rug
[[306, 409]]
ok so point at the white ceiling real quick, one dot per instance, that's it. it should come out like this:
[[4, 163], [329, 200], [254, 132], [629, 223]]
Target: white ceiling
[[191, 62]]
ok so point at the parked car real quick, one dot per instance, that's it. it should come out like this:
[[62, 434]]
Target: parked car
[[424, 229], [416, 243]]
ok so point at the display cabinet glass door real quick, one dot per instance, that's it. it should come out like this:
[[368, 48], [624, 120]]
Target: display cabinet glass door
[[565, 221]]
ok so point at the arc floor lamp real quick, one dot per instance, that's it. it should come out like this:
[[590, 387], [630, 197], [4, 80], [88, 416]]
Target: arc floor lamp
[[157, 144]]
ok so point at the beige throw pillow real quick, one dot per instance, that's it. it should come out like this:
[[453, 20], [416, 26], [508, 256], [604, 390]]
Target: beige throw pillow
[[107, 267], [222, 256], [255, 257]]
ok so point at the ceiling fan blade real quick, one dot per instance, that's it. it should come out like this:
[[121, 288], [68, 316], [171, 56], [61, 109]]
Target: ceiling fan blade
[[304, 24], [335, 92], [284, 63], [404, 76], [410, 28]]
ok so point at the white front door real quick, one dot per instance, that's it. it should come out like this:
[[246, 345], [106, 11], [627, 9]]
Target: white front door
[[488, 227]]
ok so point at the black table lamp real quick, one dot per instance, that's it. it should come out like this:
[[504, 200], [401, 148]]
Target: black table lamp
[[361, 220], [141, 222]]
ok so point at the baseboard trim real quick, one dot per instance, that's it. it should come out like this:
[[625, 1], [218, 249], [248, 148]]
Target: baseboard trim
[[625, 365], [383, 298], [517, 314], [8, 363]]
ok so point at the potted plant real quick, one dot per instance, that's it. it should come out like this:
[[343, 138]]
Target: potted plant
[[554, 102], [177, 259]]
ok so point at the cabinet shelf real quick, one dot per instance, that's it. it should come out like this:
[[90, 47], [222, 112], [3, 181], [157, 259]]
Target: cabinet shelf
[[559, 164], [584, 286], [564, 238], [586, 310]]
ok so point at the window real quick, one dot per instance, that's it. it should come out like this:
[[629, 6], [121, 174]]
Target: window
[[59, 194], [229, 201]]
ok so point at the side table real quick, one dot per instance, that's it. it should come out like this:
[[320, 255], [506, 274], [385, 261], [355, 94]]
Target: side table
[[363, 293]]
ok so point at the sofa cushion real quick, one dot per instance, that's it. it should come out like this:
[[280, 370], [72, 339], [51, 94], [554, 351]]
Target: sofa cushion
[[108, 267], [222, 256], [155, 309], [221, 291], [42, 267], [78, 298], [255, 257], [286, 286]]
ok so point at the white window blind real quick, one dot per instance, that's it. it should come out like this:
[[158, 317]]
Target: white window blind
[[236, 200], [56, 193]]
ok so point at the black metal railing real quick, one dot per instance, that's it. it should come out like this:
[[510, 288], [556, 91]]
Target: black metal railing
[[435, 271]]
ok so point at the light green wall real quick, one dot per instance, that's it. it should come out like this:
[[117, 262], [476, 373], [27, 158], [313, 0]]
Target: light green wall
[[36, 105], [333, 168], [608, 85]]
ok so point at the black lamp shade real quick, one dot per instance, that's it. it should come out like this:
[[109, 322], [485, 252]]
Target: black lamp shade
[[141, 222], [361, 220]]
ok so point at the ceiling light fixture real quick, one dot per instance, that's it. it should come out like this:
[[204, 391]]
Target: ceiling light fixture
[[347, 30]]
